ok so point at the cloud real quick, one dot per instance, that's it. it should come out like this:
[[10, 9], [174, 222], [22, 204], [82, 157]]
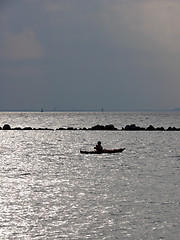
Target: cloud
[[21, 46], [124, 51], [149, 24]]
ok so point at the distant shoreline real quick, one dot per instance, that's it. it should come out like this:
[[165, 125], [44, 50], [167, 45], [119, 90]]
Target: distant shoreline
[[91, 110]]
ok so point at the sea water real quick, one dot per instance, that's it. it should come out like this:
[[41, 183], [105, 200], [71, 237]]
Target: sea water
[[50, 191]]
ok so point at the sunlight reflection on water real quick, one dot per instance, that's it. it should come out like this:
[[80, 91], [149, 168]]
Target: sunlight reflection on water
[[50, 191]]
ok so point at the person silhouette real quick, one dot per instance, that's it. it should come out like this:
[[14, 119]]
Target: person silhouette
[[98, 147]]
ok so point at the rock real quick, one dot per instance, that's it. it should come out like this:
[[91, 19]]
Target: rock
[[169, 129], [60, 129], [71, 128], [160, 129], [6, 127], [84, 128], [98, 127], [110, 127], [173, 129], [17, 128], [150, 128], [131, 127], [43, 129], [27, 128], [140, 128]]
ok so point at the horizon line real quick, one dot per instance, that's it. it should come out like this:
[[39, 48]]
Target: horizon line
[[90, 110]]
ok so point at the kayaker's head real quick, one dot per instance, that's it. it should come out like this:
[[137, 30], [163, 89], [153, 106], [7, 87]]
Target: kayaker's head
[[99, 143]]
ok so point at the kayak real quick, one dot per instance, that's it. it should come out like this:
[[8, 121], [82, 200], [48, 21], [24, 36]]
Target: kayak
[[104, 151]]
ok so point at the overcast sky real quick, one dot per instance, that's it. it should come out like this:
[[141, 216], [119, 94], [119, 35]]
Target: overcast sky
[[89, 54]]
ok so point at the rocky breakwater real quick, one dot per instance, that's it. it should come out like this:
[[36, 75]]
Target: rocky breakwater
[[8, 127], [109, 127], [133, 127]]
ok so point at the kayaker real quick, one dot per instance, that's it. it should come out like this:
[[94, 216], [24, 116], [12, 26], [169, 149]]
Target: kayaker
[[99, 148]]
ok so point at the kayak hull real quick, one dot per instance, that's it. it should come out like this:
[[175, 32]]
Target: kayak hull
[[118, 150]]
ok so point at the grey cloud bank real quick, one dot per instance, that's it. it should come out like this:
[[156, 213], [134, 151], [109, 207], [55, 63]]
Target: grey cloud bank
[[120, 55]]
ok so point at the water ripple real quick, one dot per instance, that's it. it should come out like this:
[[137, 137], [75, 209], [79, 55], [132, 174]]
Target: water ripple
[[50, 191]]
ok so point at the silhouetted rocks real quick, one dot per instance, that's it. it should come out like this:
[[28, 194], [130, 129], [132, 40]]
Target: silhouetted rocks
[[109, 127], [43, 129], [69, 128], [96, 127], [173, 129], [6, 127], [27, 128], [17, 128], [84, 128], [106, 128], [160, 129], [133, 127], [150, 128]]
